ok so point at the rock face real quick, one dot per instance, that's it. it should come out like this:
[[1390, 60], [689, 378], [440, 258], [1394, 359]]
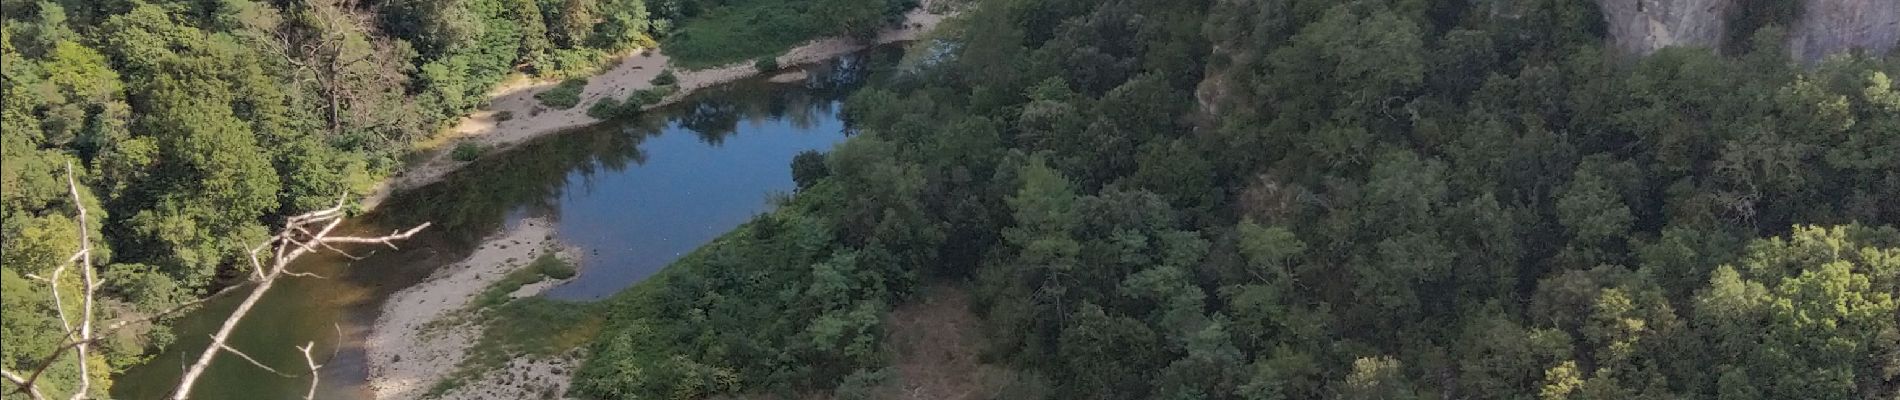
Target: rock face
[[1835, 26], [1640, 27]]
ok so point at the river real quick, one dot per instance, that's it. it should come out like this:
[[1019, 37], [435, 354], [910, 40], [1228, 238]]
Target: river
[[633, 195]]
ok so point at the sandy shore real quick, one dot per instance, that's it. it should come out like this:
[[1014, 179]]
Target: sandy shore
[[422, 336], [529, 119]]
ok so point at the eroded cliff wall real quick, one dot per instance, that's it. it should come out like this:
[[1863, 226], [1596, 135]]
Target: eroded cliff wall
[[1834, 26], [1641, 27], [1823, 27]]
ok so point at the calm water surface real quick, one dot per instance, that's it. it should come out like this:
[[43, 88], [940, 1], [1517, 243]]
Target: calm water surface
[[633, 195]]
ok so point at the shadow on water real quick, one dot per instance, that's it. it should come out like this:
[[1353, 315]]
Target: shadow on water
[[632, 194]]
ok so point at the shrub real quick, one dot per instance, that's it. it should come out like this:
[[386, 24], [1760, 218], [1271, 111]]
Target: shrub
[[466, 151], [666, 78], [504, 115], [577, 62], [809, 167], [650, 96], [564, 95], [611, 108], [766, 64]]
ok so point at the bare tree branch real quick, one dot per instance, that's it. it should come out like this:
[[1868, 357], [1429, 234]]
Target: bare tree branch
[[294, 240], [90, 282], [247, 357], [24, 384], [314, 377]]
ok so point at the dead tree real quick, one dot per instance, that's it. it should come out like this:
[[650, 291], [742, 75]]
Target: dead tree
[[79, 340], [300, 235]]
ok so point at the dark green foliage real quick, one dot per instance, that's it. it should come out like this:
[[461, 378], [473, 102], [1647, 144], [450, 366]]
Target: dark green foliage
[[1265, 199], [665, 78], [564, 95], [717, 32], [1749, 16], [466, 151], [649, 96], [610, 108], [194, 126], [808, 168], [771, 306], [767, 64]]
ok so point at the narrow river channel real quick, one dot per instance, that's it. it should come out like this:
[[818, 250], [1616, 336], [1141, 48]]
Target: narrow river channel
[[632, 195]]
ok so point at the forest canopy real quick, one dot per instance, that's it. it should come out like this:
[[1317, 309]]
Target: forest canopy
[[1204, 199], [193, 126], [1292, 199]]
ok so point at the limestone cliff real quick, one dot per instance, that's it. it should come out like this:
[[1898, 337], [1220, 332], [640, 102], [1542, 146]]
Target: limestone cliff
[[1824, 27], [1835, 26], [1641, 27]]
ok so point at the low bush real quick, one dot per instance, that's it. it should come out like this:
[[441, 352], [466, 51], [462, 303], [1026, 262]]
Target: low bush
[[611, 108], [645, 97], [563, 96], [466, 151], [766, 64], [666, 78]]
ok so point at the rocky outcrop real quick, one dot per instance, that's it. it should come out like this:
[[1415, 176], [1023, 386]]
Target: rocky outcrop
[[1641, 27], [1824, 27], [1836, 26]]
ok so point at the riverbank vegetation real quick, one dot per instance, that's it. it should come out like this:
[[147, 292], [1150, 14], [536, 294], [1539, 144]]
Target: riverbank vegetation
[[723, 32], [194, 125], [519, 327], [1265, 199], [564, 95]]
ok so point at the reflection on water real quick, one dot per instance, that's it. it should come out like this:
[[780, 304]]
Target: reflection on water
[[632, 194]]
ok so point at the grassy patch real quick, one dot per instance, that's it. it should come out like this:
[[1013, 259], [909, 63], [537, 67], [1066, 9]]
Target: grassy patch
[[650, 96], [742, 32], [528, 326], [610, 108], [466, 151], [665, 78], [563, 96], [546, 266]]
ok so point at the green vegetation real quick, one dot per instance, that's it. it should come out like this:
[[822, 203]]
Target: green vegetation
[[1267, 199], [547, 266], [723, 32], [564, 95], [650, 96], [528, 326], [608, 108], [665, 78], [466, 151], [767, 64], [195, 126]]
